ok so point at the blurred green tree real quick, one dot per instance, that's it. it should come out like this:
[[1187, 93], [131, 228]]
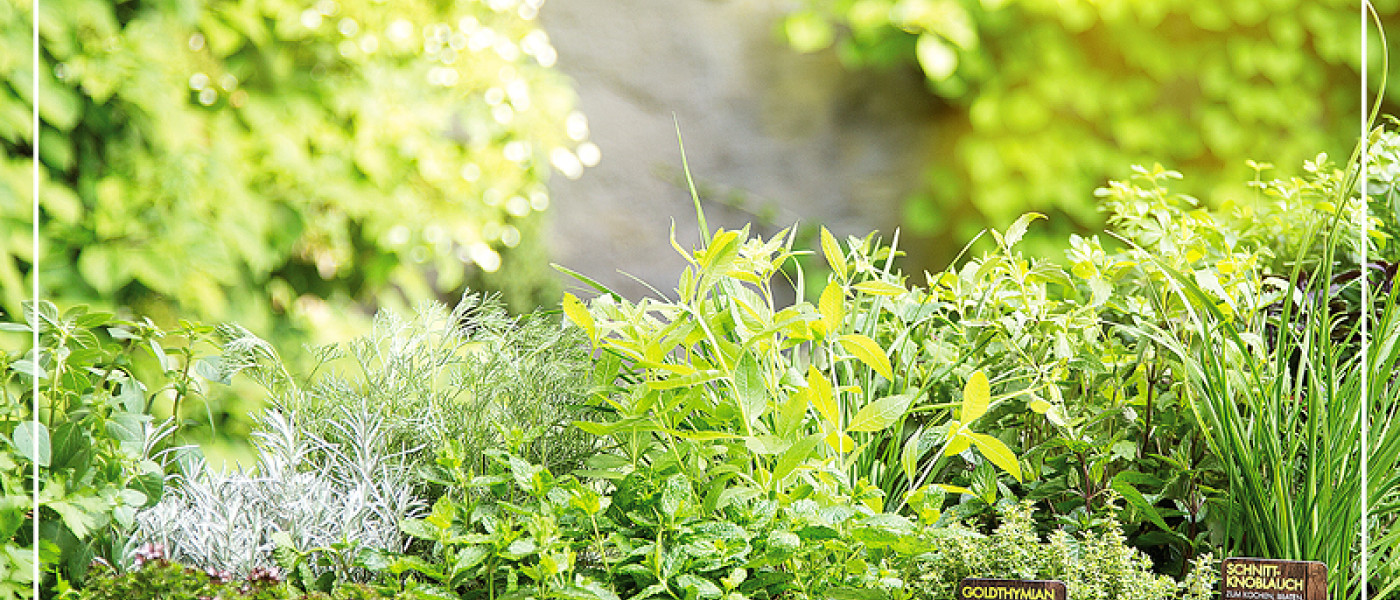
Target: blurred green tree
[[269, 161], [1049, 99]]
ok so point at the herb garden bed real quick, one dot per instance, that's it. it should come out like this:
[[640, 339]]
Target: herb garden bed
[[1182, 388]]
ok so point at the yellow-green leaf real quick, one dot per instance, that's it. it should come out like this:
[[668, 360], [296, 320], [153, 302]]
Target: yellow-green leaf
[[795, 456], [819, 390], [721, 250], [1017, 230], [954, 489], [977, 394], [881, 413], [833, 308], [685, 380], [834, 256], [998, 453], [751, 392], [1039, 406], [766, 444], [956, 440], [868, 352], [840, 442], [957, 444], [792, 412], [879, 288], [578, 314]]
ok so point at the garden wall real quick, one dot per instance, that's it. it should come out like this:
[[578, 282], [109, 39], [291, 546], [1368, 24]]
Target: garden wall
[[782, 134]]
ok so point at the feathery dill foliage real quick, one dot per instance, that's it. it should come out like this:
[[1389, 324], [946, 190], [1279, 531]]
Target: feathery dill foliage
[[473, 375], [305, 494]]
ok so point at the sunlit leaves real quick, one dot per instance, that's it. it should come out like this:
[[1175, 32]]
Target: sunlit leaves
[[869, 352], [578, 314], [881, 413], [832, 306], [834, 256], [819, 392], [977, 395], [286, 163], [997, 452]]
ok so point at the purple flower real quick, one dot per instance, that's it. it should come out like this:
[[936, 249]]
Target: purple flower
[[271, 575], [148, 552]]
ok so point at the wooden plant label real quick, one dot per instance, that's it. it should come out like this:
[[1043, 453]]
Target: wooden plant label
[[974, 588], [1264, 579]]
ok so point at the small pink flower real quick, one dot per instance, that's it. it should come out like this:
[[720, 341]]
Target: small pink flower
[[148, 552]]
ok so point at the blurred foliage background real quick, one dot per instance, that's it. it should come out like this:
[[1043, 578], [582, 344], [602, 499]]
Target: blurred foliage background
[[1046, 100], [286, 165]]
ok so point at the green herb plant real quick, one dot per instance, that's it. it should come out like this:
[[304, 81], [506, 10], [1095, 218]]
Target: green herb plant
[[725, 386], [102, 453], [1278, 393]]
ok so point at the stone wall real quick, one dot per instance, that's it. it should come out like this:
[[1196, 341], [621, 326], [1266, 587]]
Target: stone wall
[[783, 136]]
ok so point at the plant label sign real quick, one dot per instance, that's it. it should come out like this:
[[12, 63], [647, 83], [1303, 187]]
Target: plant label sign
[[974, 588], [1264, 579]]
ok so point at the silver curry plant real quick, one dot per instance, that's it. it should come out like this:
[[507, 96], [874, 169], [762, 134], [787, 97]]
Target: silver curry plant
[[305, 494], [344, 457]]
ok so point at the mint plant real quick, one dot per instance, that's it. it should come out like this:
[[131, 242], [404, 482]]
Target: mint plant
[[102, 453]]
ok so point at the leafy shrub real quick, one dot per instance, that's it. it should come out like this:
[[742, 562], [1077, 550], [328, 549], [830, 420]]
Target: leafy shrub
[[344, 458], [1092, 564], [652, 537], [1046, 99], [473, 375], [101, 454], [1070, 372], [1279, 397], [725, 385], [293, 154]]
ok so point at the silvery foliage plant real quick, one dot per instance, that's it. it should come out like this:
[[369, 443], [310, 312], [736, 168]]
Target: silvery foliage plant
[[306, 491], [342, 458], [303, 489]]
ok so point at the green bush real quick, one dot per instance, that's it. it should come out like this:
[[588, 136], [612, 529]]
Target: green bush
[[101, 454], [156, 577], [1068, 375], [472, 375], [1048, 99], [268, 162], [346, 455], [651, 536], [1092, 564]]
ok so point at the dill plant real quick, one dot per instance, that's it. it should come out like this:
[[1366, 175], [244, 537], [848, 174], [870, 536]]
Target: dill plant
[[473, 375]]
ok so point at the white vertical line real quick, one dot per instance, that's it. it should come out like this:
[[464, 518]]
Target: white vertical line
[[34, 280], [1365, 309]]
